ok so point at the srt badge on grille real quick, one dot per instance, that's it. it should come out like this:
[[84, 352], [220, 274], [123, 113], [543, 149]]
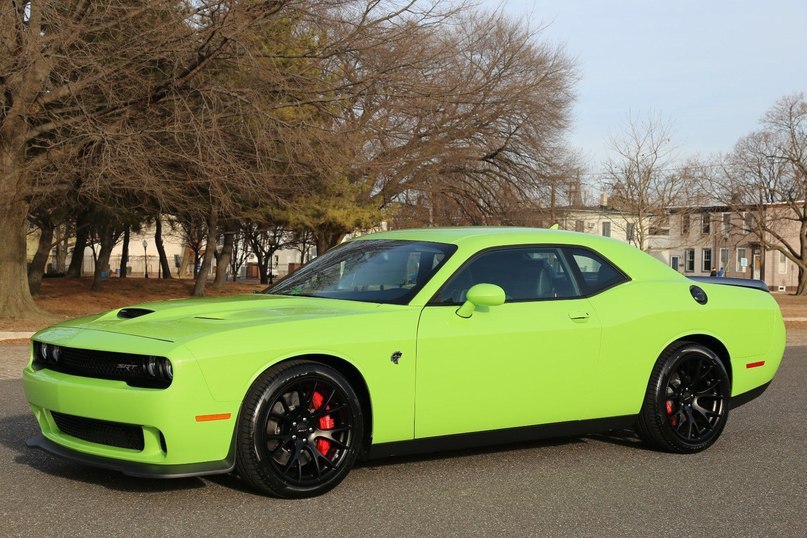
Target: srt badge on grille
[[127, 367]]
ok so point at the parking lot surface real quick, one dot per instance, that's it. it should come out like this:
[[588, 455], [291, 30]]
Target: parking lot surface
[[752, 482]]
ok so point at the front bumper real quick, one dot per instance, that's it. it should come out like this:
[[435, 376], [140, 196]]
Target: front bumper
[[175, 441], [134, 468]]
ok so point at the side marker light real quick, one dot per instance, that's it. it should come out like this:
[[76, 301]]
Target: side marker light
[[208, 418]]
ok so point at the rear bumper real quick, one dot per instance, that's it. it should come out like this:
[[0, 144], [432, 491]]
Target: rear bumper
[[745, 397], [133, 468]]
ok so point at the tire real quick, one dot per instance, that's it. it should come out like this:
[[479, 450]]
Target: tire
[[686, 405], [299, 431]]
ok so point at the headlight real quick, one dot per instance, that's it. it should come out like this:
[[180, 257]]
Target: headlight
[[158, 367], [151, 366], [43, 352], [55, 353]]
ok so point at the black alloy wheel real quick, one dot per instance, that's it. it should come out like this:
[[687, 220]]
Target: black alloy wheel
[[300, 430], [687, 400]]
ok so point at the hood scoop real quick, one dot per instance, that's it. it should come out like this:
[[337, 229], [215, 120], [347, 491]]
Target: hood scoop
[[130, 313]]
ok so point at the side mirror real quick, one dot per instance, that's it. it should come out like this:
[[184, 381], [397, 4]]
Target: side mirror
[[481, 295]]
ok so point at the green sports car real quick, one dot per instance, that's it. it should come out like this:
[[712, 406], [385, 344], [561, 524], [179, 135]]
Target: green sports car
[[401, 342]]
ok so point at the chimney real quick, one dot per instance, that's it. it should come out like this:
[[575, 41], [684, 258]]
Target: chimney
[[603, 200]]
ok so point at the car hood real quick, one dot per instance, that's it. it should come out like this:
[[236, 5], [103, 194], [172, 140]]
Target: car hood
[[180, 319]]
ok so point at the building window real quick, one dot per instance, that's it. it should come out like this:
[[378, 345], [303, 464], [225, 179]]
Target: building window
[[782, 263], [606, 229], [748, 222], [660, 226], [674, 262], [724, 259], [630, 231], [706, 259], [689, 260], [742, 260], [684, 224], [706, 223], [579, 226], [726, 223]]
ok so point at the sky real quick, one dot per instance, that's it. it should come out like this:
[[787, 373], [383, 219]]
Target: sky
[[710, 68]]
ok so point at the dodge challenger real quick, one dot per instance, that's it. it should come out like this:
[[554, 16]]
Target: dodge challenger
[[401, 342]]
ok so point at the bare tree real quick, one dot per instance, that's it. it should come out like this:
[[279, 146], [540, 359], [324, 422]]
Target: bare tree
[[331, 113], [765, 182], [459, 120], [102, 87], [193, 232], [240, 254], [642, 180], [264, 240]]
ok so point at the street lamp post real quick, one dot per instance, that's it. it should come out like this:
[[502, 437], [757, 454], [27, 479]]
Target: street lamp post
[[145, 258]]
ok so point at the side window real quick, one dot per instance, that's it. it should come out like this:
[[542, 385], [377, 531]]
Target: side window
[[525, 274], [596, 273]]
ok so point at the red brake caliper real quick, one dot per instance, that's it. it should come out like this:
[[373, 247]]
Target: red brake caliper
[[670, 412], [325, 423]]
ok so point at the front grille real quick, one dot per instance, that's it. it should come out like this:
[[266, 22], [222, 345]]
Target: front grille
[[128, 367], [100, 431]]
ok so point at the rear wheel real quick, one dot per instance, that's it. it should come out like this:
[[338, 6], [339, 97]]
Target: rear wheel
[[300, 430], [686, 405]]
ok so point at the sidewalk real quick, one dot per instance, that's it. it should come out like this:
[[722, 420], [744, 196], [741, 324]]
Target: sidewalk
[[15, 335]]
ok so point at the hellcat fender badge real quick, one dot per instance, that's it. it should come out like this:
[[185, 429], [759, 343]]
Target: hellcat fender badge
[[396, 357]]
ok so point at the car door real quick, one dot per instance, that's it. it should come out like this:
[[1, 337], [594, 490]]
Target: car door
[[528, 361]]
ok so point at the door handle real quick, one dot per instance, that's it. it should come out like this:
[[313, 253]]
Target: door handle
[[580, 316]]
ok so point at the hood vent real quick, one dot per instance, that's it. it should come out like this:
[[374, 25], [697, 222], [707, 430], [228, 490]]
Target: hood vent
[[129, 313]]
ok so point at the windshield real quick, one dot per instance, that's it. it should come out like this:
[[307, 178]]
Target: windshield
[[373, 270]]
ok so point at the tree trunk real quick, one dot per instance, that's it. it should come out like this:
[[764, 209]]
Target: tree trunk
[[158, 242], [82, 233], [124, 256], [195, 264], [802, 287], [108, 236], [62, 236], [37, 268], [15, 295], [207, 261], [263, 269], [223, 261], [326, 239]]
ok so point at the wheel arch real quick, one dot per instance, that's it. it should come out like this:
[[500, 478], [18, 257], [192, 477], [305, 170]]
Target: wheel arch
[[711, 343]]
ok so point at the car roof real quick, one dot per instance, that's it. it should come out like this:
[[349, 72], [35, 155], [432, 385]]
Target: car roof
[[471, 239]]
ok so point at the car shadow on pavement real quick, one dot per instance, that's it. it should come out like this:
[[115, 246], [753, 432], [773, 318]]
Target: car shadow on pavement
[[626, 438], [15, 430]]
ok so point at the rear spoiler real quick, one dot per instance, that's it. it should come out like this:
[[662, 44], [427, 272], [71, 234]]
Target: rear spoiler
[[741, 282]]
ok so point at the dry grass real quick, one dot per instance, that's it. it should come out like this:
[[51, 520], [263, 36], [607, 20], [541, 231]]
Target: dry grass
[[63, 298], [793, 306]]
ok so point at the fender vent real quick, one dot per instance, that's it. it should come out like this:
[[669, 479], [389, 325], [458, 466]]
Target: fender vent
[[129, 313]]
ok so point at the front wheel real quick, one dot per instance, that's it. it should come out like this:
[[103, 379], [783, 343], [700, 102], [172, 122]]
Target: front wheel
[[686, 405], [299, 431]]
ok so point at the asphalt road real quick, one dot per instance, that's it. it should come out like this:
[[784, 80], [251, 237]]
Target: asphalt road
[[752, 482]]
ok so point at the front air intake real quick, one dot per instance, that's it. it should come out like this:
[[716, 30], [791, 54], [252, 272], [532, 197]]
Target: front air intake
[[100, 431]]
